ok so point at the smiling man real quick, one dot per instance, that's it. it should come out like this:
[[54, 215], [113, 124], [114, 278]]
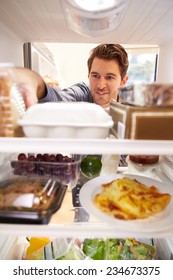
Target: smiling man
[[107, 69]]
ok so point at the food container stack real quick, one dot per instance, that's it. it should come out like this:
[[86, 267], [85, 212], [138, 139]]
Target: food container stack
[[35, 186]]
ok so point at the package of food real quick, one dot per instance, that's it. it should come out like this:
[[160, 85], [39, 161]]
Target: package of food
[[12, 105], [58, 249], [6, 122], [118, 249], [26, 200], [137, 122], [63, 168], [153, 94]]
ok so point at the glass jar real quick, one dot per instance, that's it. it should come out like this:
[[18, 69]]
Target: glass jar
[[6, 122], [144, 165], [12, 105]]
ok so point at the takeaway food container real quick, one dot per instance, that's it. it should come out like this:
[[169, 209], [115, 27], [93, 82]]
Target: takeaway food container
[[66, 120], [26, 200]]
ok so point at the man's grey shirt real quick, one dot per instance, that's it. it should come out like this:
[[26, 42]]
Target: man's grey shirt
[[78, 92]]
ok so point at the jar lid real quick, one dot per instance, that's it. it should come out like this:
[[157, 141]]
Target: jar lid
[[144, 159]]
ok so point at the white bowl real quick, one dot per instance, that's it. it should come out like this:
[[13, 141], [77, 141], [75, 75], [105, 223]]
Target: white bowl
[[66, 120]]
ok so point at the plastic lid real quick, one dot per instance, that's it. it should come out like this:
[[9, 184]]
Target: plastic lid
[[144, 159]]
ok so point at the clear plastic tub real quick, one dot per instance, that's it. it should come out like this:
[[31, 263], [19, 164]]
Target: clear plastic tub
[[63, 168]]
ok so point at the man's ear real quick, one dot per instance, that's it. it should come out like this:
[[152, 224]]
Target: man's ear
[[124, 81]]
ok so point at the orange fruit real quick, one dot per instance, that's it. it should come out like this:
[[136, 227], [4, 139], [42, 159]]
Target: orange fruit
[[35, 244]]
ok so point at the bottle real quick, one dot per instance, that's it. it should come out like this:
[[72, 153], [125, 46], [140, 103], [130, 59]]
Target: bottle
[[109, 164]]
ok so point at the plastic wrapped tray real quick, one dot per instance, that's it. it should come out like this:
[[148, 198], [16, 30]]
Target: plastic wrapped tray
[[26, 200]]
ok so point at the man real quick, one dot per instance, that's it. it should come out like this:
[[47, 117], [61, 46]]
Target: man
[[107, 69]]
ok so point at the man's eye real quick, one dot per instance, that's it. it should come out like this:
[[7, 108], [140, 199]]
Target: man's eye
[[110, 78], [96, 76]]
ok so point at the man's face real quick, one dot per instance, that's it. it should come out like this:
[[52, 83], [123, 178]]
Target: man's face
[[104, 81]]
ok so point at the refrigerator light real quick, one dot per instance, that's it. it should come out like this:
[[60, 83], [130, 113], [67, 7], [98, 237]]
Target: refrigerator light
[[95, 5], [94, 20]]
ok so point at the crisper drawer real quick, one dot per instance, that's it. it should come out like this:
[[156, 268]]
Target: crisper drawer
[[47, 248], [14, 248]]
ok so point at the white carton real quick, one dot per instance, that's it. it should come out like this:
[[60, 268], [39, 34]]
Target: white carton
[[66, 120]]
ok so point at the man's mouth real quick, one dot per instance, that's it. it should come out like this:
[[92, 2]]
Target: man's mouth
[[101, 93]]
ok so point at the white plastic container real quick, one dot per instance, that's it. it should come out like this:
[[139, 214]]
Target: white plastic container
[[66, 120]]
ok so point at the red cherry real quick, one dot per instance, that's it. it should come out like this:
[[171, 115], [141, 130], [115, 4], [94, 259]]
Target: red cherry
[[22, 156], [31, 158]]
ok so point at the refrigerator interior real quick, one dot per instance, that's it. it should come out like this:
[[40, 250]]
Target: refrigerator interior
[[72, 220]]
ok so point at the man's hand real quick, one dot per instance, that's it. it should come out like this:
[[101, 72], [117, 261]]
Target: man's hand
[[31, 85]]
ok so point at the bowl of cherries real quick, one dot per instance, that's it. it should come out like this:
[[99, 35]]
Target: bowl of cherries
[[64, 168]]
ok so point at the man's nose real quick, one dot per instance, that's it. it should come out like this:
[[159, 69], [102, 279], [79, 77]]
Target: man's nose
[[101, 83]]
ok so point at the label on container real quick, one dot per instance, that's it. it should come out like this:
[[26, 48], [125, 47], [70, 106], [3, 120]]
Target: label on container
[[24, 200]]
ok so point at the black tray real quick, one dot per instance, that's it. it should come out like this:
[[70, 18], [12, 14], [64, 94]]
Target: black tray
[[26, 215]]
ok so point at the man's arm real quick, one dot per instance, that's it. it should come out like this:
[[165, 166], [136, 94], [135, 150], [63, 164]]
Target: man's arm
[[31, 85], [35, 90]]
